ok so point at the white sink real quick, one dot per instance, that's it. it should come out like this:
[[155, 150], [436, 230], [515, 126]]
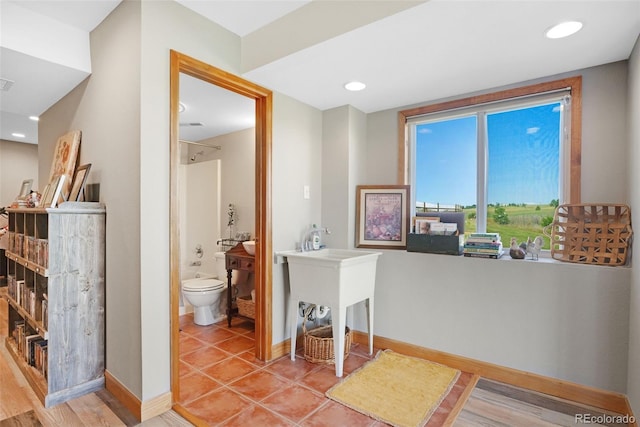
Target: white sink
[[336, 278]]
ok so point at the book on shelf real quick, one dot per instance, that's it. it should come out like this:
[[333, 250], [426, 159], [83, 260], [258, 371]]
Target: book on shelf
[[19, 292], [486, 244], [28, 348], [41, 356], [18, 333], [443, 228], [495, 255], [495, 250], [32, 303], [483, 237], [45, 312]]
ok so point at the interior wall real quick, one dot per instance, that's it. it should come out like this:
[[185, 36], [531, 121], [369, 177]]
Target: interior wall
[[335, 176], [562, 320], [106, 108], [165, 25], [238, 160], [344, 138], [18, 161], [633, 383], [297, 159]]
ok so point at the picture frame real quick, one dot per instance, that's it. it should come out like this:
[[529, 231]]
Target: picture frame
[[45, 194], [65, 158], [47, 197], [56, 192], [382, 216], [80, 178], [25, 188]]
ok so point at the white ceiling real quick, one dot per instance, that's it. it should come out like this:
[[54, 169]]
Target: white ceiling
[[431, 50]]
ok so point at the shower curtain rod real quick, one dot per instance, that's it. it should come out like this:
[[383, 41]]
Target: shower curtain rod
[[217, 147]]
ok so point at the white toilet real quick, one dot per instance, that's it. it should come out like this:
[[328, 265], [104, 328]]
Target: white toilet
[[204, 295], [204, 292]]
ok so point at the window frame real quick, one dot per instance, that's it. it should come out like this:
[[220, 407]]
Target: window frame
[[575, 156]]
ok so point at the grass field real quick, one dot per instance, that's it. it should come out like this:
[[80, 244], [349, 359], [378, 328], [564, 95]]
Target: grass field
[[524, 222]]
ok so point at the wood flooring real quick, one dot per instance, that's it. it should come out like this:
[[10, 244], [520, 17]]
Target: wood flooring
[[482, 403]]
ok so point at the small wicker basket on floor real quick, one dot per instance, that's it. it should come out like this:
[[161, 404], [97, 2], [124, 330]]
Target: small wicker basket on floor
[[318, 342], [591, 233], [246, 306]]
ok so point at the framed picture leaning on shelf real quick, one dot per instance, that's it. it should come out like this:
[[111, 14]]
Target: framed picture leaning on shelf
[[55, 192], [79, 180], [65, 158], [382, 216]]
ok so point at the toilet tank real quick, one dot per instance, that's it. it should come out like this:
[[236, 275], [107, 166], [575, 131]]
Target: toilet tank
[[237, 277], [220, 266]]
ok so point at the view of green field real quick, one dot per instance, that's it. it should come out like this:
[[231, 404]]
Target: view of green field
[[523, 221]]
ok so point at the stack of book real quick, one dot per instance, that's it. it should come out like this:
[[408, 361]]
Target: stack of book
[[483, 245]]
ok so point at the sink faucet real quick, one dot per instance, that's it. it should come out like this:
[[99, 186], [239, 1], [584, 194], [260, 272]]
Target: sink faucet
[[311, 238]]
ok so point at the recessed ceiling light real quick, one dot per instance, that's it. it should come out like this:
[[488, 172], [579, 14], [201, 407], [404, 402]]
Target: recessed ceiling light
[[564, 29], [18, 135], [355, 86], [34, 118]]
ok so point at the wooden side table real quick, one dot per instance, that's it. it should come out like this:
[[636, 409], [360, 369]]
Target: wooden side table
[[236, 258]]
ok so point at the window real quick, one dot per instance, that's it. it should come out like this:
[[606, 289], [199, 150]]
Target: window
[[505, 159]]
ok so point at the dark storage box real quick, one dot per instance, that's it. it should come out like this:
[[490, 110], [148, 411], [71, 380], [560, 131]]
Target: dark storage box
[[435, 244]]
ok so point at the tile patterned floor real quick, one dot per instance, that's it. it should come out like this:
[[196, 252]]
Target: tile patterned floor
[[223, 383]]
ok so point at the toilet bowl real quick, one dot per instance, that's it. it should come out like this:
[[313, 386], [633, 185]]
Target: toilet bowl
[[203, 294]]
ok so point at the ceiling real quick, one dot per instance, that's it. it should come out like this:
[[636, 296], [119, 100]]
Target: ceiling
[[410, 52]]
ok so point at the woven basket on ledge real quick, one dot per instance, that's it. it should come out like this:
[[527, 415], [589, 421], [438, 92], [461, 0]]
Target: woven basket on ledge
[[591, 233], [318, 342]]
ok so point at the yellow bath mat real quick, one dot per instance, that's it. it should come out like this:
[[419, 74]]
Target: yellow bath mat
[[396, 389]]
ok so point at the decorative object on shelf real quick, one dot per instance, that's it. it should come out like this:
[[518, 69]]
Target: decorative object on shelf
[[65, 158], [57, 193], [231, 219], [77, 189], [515, 251], [534, 247], [382, 216], [591, 233], [25, 189]]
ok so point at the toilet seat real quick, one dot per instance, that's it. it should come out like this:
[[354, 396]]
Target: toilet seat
[[202, 285]]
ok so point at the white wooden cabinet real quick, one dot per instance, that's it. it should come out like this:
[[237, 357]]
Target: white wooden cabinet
[[56, 295]]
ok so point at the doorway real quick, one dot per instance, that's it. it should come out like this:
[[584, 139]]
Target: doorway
[[263, 113]]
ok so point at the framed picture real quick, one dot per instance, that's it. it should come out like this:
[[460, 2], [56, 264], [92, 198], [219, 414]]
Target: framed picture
[[45, 194], [382, 216], [55, 192], [25, 188], [65, 158], [78, 182]]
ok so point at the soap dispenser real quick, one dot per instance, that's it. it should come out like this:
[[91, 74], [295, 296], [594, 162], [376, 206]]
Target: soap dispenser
[[315, 238]]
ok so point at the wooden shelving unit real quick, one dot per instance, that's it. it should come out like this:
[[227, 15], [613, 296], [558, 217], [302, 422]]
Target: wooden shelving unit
[[55, 275]]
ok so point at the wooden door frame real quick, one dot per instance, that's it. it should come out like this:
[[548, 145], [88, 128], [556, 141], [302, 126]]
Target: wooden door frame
[[181, 63]]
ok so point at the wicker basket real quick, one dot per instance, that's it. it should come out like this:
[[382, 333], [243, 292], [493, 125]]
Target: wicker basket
[[246, 306], [318, 342], [591, 233]]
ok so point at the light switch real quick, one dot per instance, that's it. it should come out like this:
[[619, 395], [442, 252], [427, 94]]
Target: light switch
[[306, 192]]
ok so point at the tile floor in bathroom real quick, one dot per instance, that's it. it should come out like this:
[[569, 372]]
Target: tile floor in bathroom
[[223, 383]]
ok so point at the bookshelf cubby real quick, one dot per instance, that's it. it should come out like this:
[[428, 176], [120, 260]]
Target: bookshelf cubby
[[55, 275]]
